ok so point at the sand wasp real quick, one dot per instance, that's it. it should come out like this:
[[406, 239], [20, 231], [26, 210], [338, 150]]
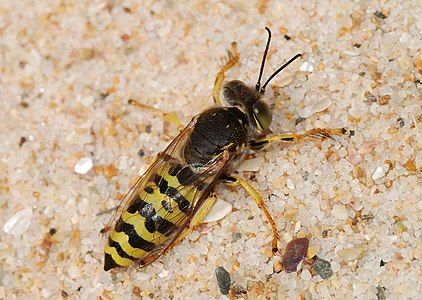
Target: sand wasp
[[176, 191]]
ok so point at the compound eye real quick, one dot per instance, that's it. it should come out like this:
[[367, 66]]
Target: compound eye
[[262, 115]]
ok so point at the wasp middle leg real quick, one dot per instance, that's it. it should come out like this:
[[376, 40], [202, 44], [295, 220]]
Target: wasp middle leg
[[235, 180], [232, 60]]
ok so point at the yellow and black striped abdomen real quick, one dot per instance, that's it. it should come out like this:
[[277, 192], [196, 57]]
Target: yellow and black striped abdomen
[[155, 213]]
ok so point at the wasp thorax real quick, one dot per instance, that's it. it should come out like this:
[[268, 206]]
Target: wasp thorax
[[237, 93]]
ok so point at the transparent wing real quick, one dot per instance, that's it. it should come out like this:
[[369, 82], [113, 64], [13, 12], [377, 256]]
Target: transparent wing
[[208, 177], [155, 168]]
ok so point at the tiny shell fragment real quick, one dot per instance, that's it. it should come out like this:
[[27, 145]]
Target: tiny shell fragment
[[19, 222], [223, 280], [294, 254], [219, 210], [307, 67], [378, 174], [83, 166]]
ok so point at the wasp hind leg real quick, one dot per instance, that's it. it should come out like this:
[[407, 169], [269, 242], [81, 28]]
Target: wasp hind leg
[[231, 60], [234, 180], [170, 117], [316, 133]]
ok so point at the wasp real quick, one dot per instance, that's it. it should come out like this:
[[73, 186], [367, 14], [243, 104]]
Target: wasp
[[177, 190]]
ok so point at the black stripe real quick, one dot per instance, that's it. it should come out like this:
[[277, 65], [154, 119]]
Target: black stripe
[[134, 239], [149, 190], [134, 207], [157, 223], [167, 206], [119, 250], [161, 183], [109, 262], [184, 174], [172, 193]]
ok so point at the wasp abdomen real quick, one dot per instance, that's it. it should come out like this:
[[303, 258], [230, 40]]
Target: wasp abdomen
[[215, 129], [152, 215]]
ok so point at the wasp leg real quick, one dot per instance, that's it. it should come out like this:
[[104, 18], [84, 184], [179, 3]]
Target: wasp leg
[[198, 217], [316, 133], [234, 180], [231, 61], [170, 117]]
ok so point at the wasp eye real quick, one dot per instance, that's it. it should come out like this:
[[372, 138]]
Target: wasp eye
[[262, 115]]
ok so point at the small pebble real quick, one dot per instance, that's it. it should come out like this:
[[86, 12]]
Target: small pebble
[[306, 275], [84, 165], [219, 210], [339, 211], [223, 280], [351, 53], [19, 222], [350, 254], [380, 15], [143, 276], [381, 293], [278, 267], [379, 173], [239, 291], [294, 254], [307, 67], [46, 293], [164, 273], [322, 268], [252, 165], [22, 141], [74, 272]]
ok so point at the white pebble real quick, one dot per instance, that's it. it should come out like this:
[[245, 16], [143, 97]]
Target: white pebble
[[143, 276], [339, 211], [74, 272], [219, 210], [316, 107], [351, 53], [164, 273], [306, 275], [84, 165], [19, 223], [307, 67], [379, 173], [290, 184], [297, 226], [252, 165], [46, 293], [350, 254], [86, 101]]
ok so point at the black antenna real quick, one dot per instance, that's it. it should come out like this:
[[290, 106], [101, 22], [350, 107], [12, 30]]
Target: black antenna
[[262, 90], [264, 57]]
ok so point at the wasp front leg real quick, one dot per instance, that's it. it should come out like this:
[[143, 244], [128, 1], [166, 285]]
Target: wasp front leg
[[235, 180], [231, 61], [316, 133]]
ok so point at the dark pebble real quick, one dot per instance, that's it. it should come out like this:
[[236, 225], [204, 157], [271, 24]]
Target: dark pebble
[[294, 254], [223, 280], [322, 267]]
